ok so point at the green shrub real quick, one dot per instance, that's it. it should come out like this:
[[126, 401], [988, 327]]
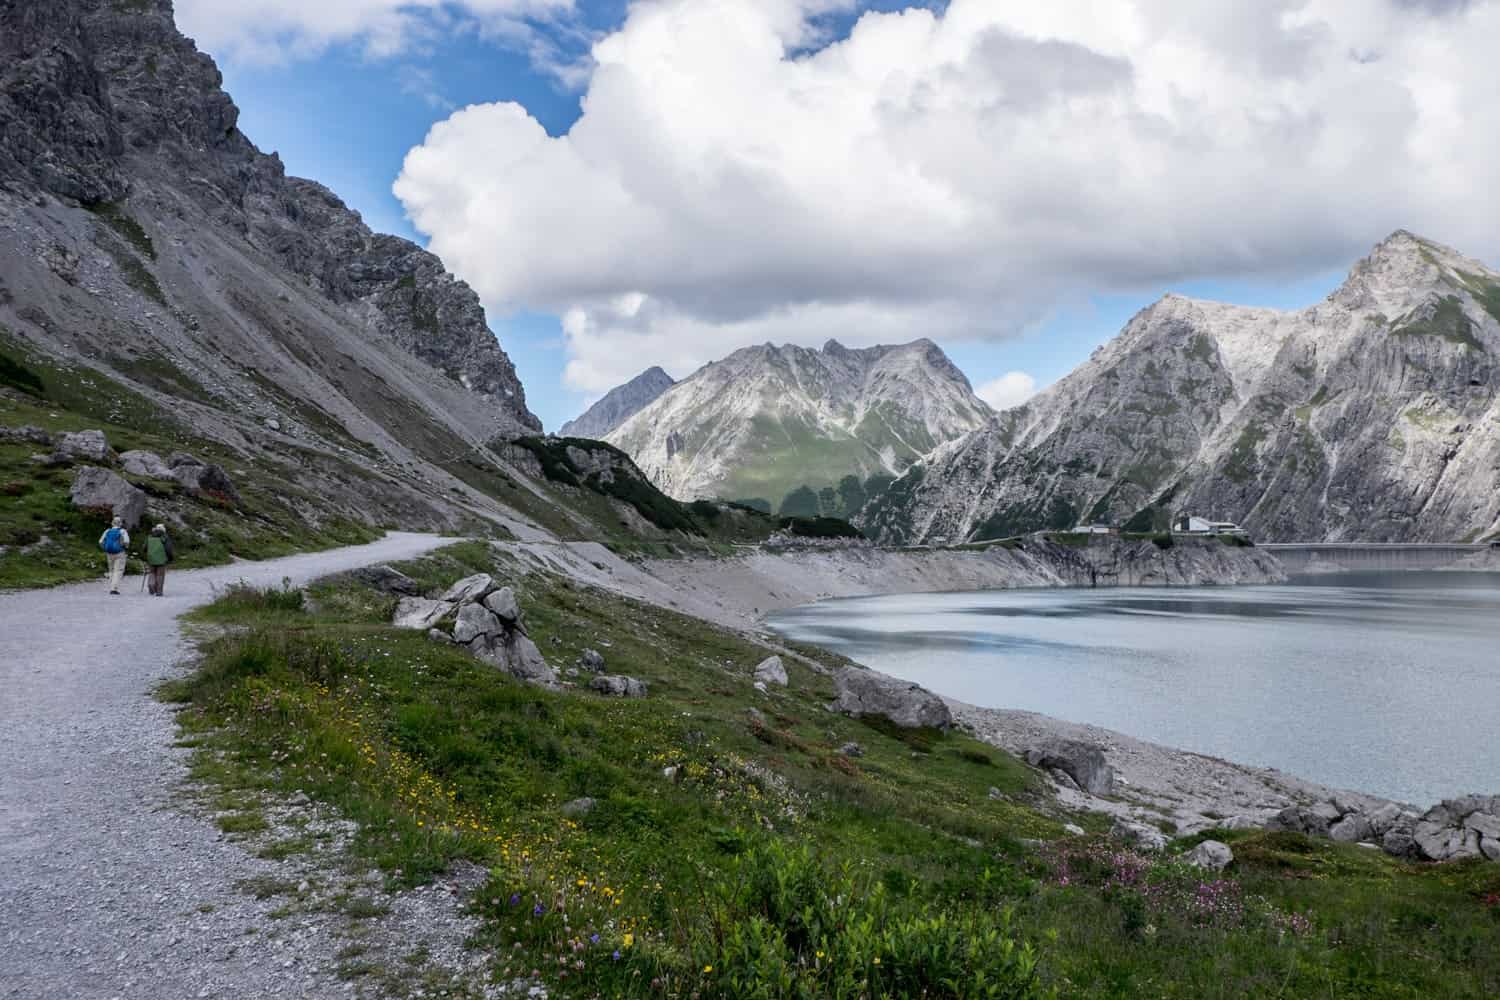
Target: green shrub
[[784, 926]]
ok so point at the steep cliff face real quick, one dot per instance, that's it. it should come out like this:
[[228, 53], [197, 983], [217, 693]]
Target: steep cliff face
[[767, 421], [142, 230], [619, 405], [1372, 415]]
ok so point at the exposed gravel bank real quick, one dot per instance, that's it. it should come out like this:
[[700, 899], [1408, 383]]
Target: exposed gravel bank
[[112, 884]]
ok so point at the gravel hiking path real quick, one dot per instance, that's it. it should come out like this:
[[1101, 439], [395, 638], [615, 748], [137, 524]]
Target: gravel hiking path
[[108, 888]]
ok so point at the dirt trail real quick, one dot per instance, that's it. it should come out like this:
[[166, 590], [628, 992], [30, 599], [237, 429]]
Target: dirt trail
[[108, 889]]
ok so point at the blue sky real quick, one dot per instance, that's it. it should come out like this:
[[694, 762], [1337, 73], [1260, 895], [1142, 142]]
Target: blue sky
[[348, 118]]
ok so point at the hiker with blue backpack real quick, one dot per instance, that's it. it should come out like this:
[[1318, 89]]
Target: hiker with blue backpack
[[114, 542], [158, 554]]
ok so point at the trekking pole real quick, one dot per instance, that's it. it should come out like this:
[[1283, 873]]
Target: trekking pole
[[143, 576]]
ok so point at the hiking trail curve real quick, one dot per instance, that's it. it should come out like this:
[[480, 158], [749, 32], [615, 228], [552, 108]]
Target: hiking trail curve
[[108, 886]]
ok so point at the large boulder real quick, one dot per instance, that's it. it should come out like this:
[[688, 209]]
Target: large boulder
[[470, 589], [771, 671], [618, 686], [866, 692], [1083, 762], [99, 489], [1311, 821], [85, 446], [145, 463], [1213, 855], [206, 479], [420, 613], [504, 606], [475, 621], [1352, 829], [518, 656]]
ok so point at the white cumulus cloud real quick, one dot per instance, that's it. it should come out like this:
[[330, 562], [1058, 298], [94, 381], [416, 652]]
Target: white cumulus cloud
[[1010, 389], [735, 177]]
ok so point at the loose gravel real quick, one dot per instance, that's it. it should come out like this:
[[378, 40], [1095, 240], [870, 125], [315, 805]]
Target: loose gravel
[[115, 882]]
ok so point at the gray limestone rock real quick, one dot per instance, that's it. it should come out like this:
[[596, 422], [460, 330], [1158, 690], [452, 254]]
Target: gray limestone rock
[[866, 692], [1239, 823], [95, 488], [592, 661], [85, 446], [145, 463], [26, 434], [503, 603], [475, 622], [440, 637], [1213, 855], [1351, 829], [518, 656], [1138, 835], [852, 749], [618, 686], [386, 579], [469, 589], [618, 405], [1084, 763], [771, 671], [202, 478], [420, 613], [1300, 819], [577, 807]]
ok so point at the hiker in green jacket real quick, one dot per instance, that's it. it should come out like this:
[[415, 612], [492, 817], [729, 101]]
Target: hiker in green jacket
[[158, 554]]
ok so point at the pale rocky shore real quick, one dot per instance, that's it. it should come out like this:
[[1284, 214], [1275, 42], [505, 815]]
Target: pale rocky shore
[[1149, 786]]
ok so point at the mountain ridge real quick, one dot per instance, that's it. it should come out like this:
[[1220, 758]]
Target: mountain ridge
[[768, 420], [619, 404], [1370, 415]]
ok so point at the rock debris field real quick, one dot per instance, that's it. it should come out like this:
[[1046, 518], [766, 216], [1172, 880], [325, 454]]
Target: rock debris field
[[111, 883]]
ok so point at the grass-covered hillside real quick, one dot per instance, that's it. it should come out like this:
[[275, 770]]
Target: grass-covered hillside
[[44, 540], [737, 845]]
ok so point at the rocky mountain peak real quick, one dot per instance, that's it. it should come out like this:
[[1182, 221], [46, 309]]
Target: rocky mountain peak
[[619, 405], [106, 106]]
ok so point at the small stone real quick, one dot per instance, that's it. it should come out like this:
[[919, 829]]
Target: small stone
[[1146, 838], [757, 717], [672, 773], [1073, 829], [761, 687], [592, 661], [578, 807], [1213, 855], [771, 671], [440, 637], [618, 687], [852, 749]]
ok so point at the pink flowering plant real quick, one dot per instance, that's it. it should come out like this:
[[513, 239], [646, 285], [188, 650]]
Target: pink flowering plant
[[1153, 888]]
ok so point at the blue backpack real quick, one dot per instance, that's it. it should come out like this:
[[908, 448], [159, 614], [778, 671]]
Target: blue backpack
[[112, 541]]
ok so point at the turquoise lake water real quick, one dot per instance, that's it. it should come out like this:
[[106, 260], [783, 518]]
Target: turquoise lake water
[[1386, 683]]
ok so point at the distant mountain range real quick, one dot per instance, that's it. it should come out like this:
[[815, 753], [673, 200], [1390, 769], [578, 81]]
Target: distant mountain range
[[799, 430], [1372, 415], [618, 405]]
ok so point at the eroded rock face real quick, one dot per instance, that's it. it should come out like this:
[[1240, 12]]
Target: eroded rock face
[[1082, 762], [867, 692], [475, 621], [503, 603], [771, 671], [96, 488]]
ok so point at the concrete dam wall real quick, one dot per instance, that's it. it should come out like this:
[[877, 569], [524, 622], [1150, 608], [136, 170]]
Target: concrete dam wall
[[1354, 557]]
